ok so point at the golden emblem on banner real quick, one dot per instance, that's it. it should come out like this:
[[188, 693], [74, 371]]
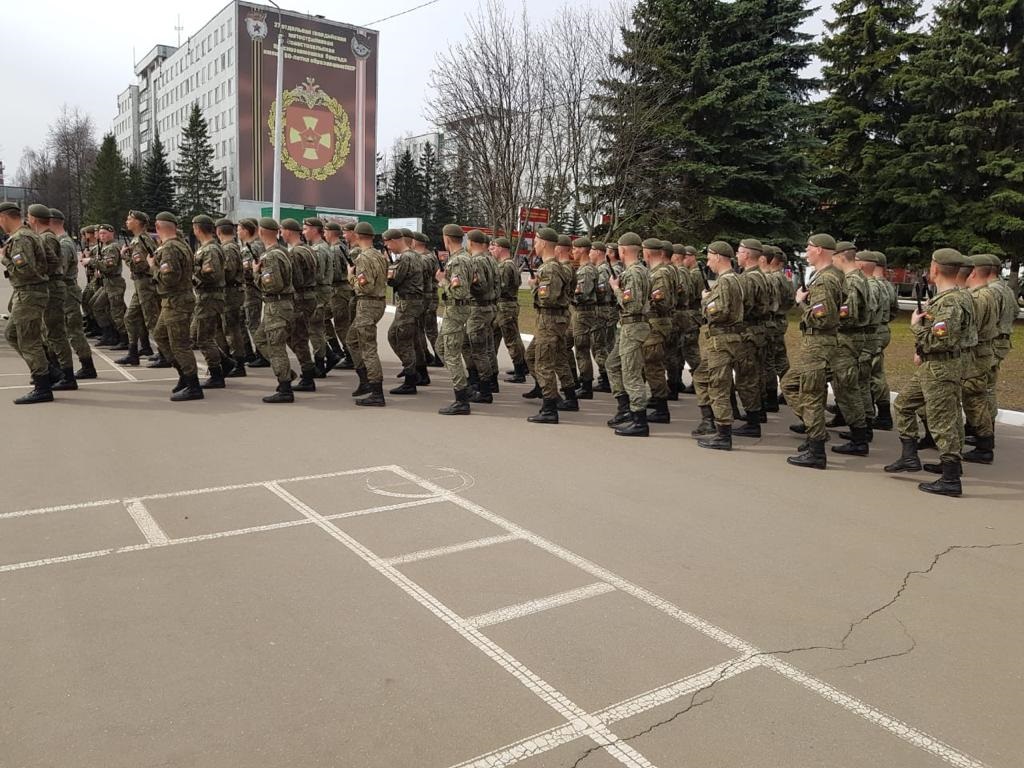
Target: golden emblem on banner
[[316, 129]]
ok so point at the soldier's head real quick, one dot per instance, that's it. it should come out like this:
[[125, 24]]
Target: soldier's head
[[845, 256], [56, 221], [348, 231], [652, 251], [749, 252], [203, 227], [477, 241], [393, 240], [581, 250], [332, 232], [10, 217], [629, 247], [136, 222], [820, 248], [501, 248], [89, 234], [945, 267], [166, 225], [563, 249], [771, 259], [597, 252], [613, 251], [981, 270], [225, 230], [407, 235], [965, 272], [865, 261], [313, 229], [720, 256], [545, 242], [452, 236], [268, 231], [247, 229], [291, 231], [364, 234], [105, 233], [38, 217], [420, 242]]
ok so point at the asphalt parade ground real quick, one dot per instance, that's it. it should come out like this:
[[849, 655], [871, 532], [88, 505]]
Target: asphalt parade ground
[[227, 583]]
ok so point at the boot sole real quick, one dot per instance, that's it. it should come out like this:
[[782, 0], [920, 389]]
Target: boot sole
[[951, 494], [807, 466]]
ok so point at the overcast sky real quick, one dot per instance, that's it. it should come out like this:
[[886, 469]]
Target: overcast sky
[[83, 54]]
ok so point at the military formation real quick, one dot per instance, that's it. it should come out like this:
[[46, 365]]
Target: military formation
[[625, 318]]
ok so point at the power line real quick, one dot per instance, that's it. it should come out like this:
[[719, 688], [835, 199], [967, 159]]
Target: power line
[[401, 13]]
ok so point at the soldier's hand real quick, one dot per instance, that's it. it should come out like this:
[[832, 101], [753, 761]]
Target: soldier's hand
[[439, 275], [614, 283], [801, 295], [532, 282], [705, 293], [917, 359], [915, 317], [151, 260]]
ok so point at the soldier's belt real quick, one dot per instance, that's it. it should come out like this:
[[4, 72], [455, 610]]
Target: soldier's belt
[[854, 331], [484, 303], [509, 300], [552, 310], [818, 331], [629, 319], [276, 296], [940, 355], [458, 302], [586, 307], [202, 289], [724, 330]]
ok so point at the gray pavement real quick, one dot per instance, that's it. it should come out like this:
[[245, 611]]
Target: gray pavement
[[223, 583]]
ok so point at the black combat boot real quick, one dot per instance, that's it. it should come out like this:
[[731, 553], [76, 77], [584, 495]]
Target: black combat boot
[[883, 420], [983, 452], [42, 391], [814, 457], [752, 428], [435, 361], [858, 445], [54, 373], [586, 390], [534, 393], [319, 367], [227, 365], [838, 420], [92, 329], [799, 428], [635, 427], [548, 413], [518, 374], [927, 441], [332, 359], [145, 349], [622, 413], [422, 376], [460, 407], [104, 339], [771, 395], [949, 483], [408, 386], [376, 396], [673, 389], [307, 381], [482, 394], [908, 460], [473, 377], [603, 385], [722, 441], [215, 379], [493, 381], [259, 361], [364, 383], [182, 381], [68, 381], [122, 341], [193, 390], [736, 416], [657, 411], [689, 389], [707, 422], [159, 362], [569, 402], [282, 395], [238, 371], [132, 358], [88, 369]]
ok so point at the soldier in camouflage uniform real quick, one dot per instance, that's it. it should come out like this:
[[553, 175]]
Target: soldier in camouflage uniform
[[455, 281], [431, 266], [507, 319], [626, 361], [427, 269], [342, 297], [480, 329], [172, 267], [24, 263], [144, 308], [607, 316], [851, 364], [936, 385], [304, 301], [680, 322], [660, 317], [980, 367], [272, 274], [586, 319], [208, 280], [87, 240], [752, 360], [564, 255], [231, 334], [99, 305], [1007, 310], [551, 300], [368, 276], [72, 298], [55, 333], [110, 266], [782, 290], [252, 248], [324, 358], [405, 276]]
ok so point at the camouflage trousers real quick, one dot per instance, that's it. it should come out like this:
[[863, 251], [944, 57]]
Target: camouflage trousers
[[85, 298], [549, 364], [844, 365], [362, 337], [230, 335], [99, 305], [749, 365], [654, 356], [207, 319], [506, 324], [879, 381], [73, 321], [430, 322], [568, 353], [453, 344], [253, 307], [937, 389], [24, 330], [805, 384], [674, 345], [585, 323], [305, 307], [1001, 348], [480, 333], [713, 378], [865, 343], [143, 310], [979, 380], [403, 332], [626, 364], [113, 291], [172, 333], [272, 335], [603, 338], [55, 327], [318, 321], [343, 305]]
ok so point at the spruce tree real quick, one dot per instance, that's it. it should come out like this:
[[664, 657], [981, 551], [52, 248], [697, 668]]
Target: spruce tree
[[157, 183], [134, 186], [427, 167], [443, 209], [406, 187], [199, 184], [108, 186]]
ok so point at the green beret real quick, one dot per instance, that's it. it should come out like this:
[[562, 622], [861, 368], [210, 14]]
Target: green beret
[[880, 259], [104, 228], [564, 240], [581, 242], [55, 214], [332, 226], [168, 217], [612, 246], [752, 244], [419, 237], [39, 210], [651, 244], [678, 248], [453, 231], [476, 236], [722, 248], [89, 230], [9, 207], [868, 256], [391, 234], [949, 257], [268, 223], [845, 245], [406, 232], [630, 238], [203, 220], [502, 242], [666, 246], [597, 245], [349, 226], [690, 250], [364, 229], [139, 216], [291, 224], [822, 240], [979, 260], [547, 234], [225, 223], [313, 221], [249, 223]]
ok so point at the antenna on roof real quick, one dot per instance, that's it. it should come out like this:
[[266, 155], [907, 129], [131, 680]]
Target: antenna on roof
[[178, 29]]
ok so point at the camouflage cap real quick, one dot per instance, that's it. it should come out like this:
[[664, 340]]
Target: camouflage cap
[[845, 245], [249, 223], [225, 224], [980, 260], [202, 220], [722, 248], [268, 223], [666, 246], [476, 236], [9, 207], [597, 245], [631, 239], [949, 257], [55, 214], [651, 244], [348, 226], [678, 248], [406, 232], [391, 234], [313, 221], [547, 234], [752, 244], [332, 226], [168, 217], [503, 242], [612, 246], [822, 240], [581, 242], [564, 240], [882, 261], [364, 229], [104, 228], [690, 250], [39, 211], [868, 256], [419, 237], [452, 230]]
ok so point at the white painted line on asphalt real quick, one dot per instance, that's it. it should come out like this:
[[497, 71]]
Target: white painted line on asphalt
[[59, 508], [534, 683], [73, 558], [545, 741], [115, 366], [150, 528], [891, 724], [426, 554], [541, 604], [383, 508]]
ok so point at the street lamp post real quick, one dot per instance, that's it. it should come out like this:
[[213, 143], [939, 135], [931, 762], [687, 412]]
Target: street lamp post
[[278, 97]]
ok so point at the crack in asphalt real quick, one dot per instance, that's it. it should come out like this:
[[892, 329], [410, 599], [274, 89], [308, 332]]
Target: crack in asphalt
[[693, 703]]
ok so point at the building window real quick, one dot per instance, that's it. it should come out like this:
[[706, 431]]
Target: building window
[[230, 50], [229, 87]]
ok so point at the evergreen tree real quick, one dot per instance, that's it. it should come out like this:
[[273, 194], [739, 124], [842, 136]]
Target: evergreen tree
[[859, 122], [427, 167], [199, 184], [960, 180], [443, 210], [157, 184], [108, 186], [406, 188], [134, 186]]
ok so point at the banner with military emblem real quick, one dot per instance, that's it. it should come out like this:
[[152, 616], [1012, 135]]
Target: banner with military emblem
[[328, 138]]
